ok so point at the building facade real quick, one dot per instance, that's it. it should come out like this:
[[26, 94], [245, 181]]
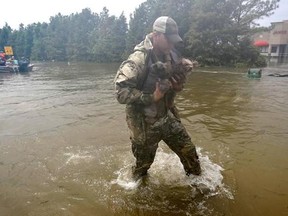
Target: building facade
[[274, 43]]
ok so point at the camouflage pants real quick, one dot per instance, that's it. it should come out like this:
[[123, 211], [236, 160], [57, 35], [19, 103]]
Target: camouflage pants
[[145, 138]]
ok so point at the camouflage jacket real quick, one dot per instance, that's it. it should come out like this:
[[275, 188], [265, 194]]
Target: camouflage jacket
[[130, 75], [131, 78]]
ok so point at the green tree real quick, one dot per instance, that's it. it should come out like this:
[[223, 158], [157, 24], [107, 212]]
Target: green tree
[[5, 35], [38, 51], [80, 27], [179, 10], [142, 20], [140, 24], [19, 42], [109, 37], [118, 39], [219, 27], [57, 38]]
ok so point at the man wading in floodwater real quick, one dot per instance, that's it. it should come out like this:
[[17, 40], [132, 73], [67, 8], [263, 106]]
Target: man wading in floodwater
[[147, 83]]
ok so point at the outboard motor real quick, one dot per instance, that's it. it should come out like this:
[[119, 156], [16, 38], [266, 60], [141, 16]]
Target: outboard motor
[[23, 64]]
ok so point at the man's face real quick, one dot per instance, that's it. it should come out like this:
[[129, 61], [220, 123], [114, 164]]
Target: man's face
[[163, 44]]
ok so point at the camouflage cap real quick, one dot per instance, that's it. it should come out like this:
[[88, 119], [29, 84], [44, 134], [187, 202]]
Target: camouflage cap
[[167, 26]]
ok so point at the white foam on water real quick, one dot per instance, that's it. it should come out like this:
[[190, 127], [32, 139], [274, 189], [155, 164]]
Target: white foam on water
[[168, 170], [77, 158], [125, 179]]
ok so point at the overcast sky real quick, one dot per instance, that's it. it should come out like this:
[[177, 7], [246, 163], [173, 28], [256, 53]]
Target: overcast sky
[[30, 11], [279, 15]]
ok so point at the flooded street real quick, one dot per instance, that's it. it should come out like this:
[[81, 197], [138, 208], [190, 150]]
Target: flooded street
[[65, 149]]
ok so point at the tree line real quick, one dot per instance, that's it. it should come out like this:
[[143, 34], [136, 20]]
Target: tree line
[[215, 32]]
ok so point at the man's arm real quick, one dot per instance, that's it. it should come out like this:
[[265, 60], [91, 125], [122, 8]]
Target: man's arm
[[129, 78], [126, 82]]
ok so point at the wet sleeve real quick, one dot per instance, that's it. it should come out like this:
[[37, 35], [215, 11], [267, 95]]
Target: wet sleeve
[[126, 82]]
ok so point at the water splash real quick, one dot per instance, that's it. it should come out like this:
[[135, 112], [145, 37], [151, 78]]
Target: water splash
[[168, 170], [76, 158], [125, 179]]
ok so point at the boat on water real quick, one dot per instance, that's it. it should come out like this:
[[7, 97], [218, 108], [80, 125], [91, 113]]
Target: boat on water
[[16, 68], [9, 69], [22, 65], [254, 73], [13, 65]]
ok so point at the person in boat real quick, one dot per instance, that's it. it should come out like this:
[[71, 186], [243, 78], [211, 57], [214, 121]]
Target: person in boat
[[147, 82], [15, 61], [12, 61], [2, 58]]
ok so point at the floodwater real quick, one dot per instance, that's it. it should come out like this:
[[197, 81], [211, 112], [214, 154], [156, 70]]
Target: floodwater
[[65, 150]]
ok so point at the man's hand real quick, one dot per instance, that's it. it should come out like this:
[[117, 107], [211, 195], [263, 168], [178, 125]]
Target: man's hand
[[181, 70], [176, 85], [162, 86]]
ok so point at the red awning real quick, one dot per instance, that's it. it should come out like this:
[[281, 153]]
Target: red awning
[[261, 43]]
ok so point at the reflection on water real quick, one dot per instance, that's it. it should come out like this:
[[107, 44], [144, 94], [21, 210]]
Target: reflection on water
[[64, 146]]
